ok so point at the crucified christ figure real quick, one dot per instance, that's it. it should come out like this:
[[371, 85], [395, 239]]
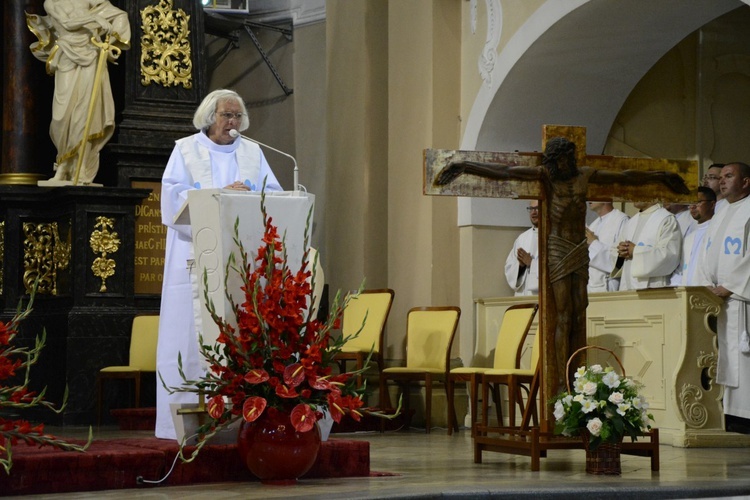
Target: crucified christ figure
[[564, 187]]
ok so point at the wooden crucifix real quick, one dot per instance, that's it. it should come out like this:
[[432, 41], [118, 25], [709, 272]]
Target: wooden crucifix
[[563, 178]]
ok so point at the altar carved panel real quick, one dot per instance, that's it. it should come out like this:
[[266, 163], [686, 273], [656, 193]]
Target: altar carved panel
[[665, 338]]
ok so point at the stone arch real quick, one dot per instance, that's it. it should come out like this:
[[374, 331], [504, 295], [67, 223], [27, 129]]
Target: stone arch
[[608, 46]]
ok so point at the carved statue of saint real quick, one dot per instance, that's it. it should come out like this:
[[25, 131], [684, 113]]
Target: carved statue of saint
[[76, 39], [564, 187]]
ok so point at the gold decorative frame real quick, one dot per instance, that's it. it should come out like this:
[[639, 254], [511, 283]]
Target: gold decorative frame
[[44, 254], [165, 47], [104, 241]]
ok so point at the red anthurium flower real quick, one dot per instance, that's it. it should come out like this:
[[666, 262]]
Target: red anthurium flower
[[334, 407], [294, 375], [256, 376], [253, 408], [303, 418], [285, 392], [216, 407], [319, 383]]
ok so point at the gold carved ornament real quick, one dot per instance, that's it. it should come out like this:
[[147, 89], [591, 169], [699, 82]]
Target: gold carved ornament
[[44, 254], [165, 48], [104, 241]]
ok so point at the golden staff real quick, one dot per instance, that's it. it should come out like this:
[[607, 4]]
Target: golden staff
[[104, 47]]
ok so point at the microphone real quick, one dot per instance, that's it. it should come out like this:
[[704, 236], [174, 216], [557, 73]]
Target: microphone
[[234, 133]]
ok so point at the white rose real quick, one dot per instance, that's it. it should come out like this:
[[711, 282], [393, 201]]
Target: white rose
[[594, 426], [596, 368], [616, 398], [589, 388]]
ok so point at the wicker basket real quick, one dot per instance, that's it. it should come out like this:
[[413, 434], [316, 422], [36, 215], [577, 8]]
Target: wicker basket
[[605, 459]]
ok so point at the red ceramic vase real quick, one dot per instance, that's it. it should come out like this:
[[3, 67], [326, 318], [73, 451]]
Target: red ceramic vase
[[274, 451]]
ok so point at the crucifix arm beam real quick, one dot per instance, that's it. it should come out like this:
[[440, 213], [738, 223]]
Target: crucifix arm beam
[[645, 179], [488, 170], [631, 177], [476, 173]]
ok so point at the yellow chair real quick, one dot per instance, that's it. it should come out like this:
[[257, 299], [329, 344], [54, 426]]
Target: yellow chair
[[516, 380], [515, 326], [143, 337], [375, 305], [429, 337]]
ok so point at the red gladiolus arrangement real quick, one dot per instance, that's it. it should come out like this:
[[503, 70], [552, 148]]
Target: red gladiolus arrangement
[[15, 364], [279, 354]]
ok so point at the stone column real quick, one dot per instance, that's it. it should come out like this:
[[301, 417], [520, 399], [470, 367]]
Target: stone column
[[27, 150]]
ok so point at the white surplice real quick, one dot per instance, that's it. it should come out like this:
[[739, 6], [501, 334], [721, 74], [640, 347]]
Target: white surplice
[[657, 252], [603, 250], [725, 261], [686, 274], [196, 162], [527, 283]]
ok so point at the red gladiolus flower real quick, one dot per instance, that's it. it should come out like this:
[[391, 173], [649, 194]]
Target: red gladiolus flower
[[253, 408], [303, 418], [256, 376], [216, 407], [294, 375]]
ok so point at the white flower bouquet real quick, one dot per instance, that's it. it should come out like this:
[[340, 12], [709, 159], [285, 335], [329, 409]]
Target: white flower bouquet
[[603, 403]]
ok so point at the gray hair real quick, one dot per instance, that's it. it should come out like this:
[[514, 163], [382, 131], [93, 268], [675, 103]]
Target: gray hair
[[205, 115]]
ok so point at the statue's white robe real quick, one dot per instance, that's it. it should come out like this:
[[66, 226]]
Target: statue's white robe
[[603, 251], [196, 163], [725, 261], [528, 282], [658, 248]]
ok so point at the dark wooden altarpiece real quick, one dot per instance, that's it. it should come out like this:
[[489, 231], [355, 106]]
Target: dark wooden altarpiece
[[98, 251]]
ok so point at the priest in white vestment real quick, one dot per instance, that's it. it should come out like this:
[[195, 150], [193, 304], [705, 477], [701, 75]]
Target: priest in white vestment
[[651, 248], [522, 264], [725, 264], [602, 236], [212, 158]]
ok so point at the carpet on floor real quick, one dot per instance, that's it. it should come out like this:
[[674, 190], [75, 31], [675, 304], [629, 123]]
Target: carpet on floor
[[119, 463], [144, 419]]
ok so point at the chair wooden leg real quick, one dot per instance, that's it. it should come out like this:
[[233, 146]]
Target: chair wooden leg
[[498, 400], [138, 390], [485, 399], [99, 393], [511, 402], [428, 402], [474, 400], [450, 386]]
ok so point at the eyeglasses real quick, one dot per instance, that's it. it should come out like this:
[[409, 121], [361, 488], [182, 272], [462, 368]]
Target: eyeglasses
[[228, 116], [532, 209], [696, 202], [711, 177]]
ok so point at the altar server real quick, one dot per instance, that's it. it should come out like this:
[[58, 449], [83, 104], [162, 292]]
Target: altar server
[[725, 264], [603, 236], [522, 264], [650, 250]]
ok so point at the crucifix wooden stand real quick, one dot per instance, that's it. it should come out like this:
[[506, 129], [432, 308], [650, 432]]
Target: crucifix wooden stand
[[563, 178]]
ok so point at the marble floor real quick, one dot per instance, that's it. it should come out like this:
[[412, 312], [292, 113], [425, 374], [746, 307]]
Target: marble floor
[[437, 465]]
